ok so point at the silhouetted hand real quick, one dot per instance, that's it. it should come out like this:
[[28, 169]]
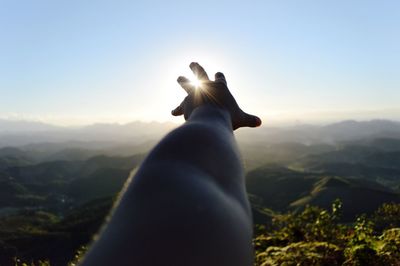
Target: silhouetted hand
[[215, 93]]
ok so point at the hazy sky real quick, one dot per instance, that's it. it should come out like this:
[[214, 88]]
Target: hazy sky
[[83, 61]]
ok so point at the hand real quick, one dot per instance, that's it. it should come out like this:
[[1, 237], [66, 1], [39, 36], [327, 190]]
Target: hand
[[215, 93]]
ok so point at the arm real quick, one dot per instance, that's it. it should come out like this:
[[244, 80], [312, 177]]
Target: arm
[[187, 204]]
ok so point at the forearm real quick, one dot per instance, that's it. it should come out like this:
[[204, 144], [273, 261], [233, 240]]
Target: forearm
[[206, 142], [188, 198]]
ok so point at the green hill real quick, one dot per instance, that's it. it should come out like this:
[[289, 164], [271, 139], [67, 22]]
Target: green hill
[[282, 189], [38, 235], [102, 183]]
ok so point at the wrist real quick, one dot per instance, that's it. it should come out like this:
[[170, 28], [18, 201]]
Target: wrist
[[209, 113]]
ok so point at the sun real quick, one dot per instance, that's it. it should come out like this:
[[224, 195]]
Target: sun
[[196, 82]]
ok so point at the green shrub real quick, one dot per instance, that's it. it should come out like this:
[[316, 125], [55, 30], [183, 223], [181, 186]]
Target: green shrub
[[302, 253], [316, 237]]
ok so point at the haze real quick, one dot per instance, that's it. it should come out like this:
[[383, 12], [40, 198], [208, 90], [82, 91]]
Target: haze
[[80, 62]]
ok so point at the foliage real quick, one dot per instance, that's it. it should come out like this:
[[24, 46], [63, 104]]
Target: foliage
[[38, 237], [313, 224], [301, 253], [19, 262], [316, 237], [387, 216], [80, 253]]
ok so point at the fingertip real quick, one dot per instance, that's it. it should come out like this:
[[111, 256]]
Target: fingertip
[[193, 64], [181, 79], [185, 84], [198, 71], [252, 121], [219, 75], [177, 111]]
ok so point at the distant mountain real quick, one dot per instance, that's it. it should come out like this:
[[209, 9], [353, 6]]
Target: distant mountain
[[10, 156], [104, 182], [59, 184], [385, 144], [281, 189], [349, 130], [81, 150], [358, 196], [258, 153], [13, 126], [286, 166], [19, 133], [133, 128]]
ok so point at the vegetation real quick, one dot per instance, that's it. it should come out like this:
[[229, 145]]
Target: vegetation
[[316, 237], [37, 236]]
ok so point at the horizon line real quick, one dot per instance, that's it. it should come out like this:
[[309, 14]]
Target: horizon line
[[268, 123]]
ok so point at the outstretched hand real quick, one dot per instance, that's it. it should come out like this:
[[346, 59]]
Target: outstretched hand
[[214, 93]]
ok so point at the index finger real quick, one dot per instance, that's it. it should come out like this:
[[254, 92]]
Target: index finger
[[199, 71], [185, 84]]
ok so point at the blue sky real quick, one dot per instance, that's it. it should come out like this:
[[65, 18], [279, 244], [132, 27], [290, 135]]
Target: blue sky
[[74, 62]]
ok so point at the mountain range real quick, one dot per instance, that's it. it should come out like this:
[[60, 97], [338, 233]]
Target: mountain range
[[58, 184], [18, 133]]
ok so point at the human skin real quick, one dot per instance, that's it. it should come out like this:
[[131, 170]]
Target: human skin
[[187, 204]]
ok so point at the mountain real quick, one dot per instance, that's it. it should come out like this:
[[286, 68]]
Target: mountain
[[49, 184], [348, 130], [258, 153], [129, 130], [19, 133], [13, 126], [282, 189], [10, 156]]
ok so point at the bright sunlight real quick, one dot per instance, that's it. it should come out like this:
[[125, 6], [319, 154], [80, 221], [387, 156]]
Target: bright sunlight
[[195, 82]]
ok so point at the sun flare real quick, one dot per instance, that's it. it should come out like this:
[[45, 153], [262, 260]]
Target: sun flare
[[196, 83]]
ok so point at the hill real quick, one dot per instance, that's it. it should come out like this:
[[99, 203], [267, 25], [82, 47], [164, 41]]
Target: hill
[[348, 130], [63, 184], [20, 133], [282, 189]]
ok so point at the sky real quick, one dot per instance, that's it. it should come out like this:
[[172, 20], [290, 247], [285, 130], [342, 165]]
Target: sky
[[77, 62]]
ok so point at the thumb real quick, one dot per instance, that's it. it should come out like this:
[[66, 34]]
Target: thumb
[[250, 120], [177, 111]]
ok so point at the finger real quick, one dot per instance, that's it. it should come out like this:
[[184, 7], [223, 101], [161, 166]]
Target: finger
[[199, 71], [177, 111], [185, 84], [250, 121], [219, 77]]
